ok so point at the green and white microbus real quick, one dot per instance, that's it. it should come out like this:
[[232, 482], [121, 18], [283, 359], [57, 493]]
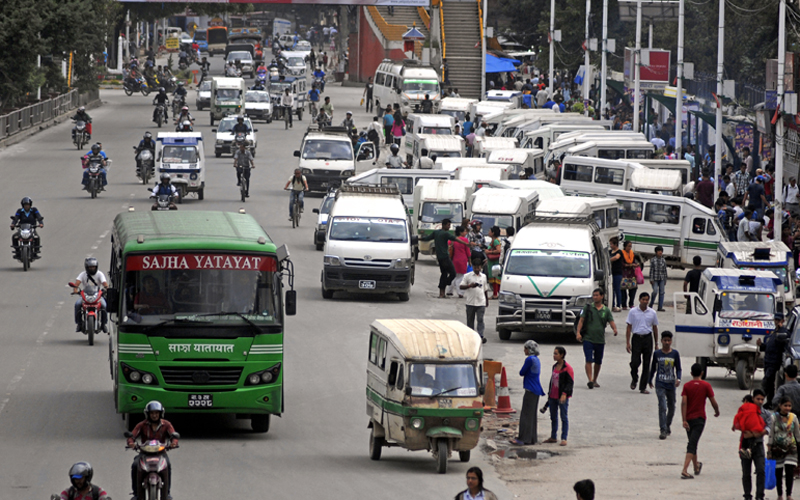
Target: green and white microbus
[[196, 308]]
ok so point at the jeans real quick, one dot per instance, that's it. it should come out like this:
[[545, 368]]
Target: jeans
[[658, 291], [448, 273], [616, 290], [666, 406], [641, 353], [756, 459], [79, 307], [472, 312], [555, 405], [85, 180], [292, 195]]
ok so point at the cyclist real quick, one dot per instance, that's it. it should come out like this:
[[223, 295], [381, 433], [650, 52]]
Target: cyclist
[[243, 161], [299, 186], [287, 102]]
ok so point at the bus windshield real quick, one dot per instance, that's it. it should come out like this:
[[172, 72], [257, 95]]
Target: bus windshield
[[745, 305], [447, 380], [561, 263], [228, 94], [780, 272], [368, 229], [217, 35]]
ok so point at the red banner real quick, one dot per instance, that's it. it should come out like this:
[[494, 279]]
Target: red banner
[[200, 261]]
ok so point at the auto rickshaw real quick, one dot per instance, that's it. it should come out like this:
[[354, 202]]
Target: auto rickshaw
[[424, 388]]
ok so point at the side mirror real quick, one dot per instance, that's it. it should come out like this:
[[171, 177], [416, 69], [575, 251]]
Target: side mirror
[[397, 90], [175, 435], [408, 390], [255, 130], [127, 434], [717, 304], [482, 390], [315, 211], [213, 130], [780, 307], [599, 275], [291, 302], [112, 301], [414, 240], [297, 153]]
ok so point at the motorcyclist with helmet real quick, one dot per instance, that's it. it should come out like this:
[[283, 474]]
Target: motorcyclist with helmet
[[147, 142], [179, 94], [321, 75], [153, 427], [83, 116], [260, 84], [92, 276], [165, 188], [184, 126], [94, 156], [161, 99], [241, 126], [395, 161], [28, 214], [205, 67], [184, 116], [81, 487]]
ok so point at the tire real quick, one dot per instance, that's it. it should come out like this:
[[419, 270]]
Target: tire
[[152, 492], [25, 257], [145, 175], [145, 91], [326, 294], [403, 296], [159, 120], [320, 247], [241, 191], [181, 195], [441, 456], [217, 154], [375, 446], [504, 334], [128, 92], [90, 332], [93, 191], [212, 124], [463, 456], [703, 362], [260, 423], [201, 194], [744, 377]]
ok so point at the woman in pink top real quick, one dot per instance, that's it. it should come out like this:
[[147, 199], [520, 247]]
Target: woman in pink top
[[559, 394], [397, 127], [461, 255]]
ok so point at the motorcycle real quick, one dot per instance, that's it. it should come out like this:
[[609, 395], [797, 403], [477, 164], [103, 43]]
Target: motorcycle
[[92, 308], [145, 166], [80, 134], [178, 102], [27, 249], [171, 84], [152, 468], [95, 183], [319, 81], [164, 203], [131, 85], [274, 73], [239, 138], [161, 114]]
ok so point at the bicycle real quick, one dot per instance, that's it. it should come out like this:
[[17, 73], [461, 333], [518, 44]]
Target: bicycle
[[295, 207], [312, 109], [244, 181]]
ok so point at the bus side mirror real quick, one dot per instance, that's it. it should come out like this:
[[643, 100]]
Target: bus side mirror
[[482, 390], [291, 302], [415, 240], [408, 390], [717, 304], [599, 275], [315, 211], [112, 301]]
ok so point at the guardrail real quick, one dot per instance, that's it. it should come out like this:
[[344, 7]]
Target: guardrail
[[31, 116]]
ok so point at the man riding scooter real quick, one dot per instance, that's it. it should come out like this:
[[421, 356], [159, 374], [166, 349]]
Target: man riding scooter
[[147, 142], [153, 427], [90, 276], [95, 156], [28, 214], [161, 99]]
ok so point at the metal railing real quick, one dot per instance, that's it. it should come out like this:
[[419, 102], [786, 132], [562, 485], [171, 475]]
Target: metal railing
[[35, 114]]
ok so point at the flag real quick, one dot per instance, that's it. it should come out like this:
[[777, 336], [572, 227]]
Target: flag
[[477, 44], [580, 75], [583, 46]]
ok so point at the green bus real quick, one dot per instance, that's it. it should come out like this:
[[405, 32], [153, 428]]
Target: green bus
[[196, 309]]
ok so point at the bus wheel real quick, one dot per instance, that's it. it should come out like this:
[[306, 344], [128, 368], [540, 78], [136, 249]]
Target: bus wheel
[[260, 423]]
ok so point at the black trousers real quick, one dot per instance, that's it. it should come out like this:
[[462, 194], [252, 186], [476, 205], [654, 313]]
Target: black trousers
[[768, 382], [246, 173], [369, 103], [641, 353], [756, 459], [448, 273]]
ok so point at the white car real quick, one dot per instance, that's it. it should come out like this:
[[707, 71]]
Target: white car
[[258, 105], [303, 46], [225, 136], [322, 218], [203, 95], [245, 59]]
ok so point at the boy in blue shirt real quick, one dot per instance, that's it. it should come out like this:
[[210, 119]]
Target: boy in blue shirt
[[667, 364]]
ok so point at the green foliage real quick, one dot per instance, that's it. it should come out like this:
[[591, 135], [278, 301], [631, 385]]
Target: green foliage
[[20, 23]]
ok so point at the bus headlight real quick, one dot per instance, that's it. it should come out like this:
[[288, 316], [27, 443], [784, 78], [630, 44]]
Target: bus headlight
[[147, 378], [417, 423], [265, 376], [135, 376]]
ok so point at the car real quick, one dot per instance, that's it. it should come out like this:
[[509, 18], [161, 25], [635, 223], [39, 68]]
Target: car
[[303, 46], [225, 134], [322, 218], [203, 99], [245, 59], [287, 40], [258, 105], [186, 38]]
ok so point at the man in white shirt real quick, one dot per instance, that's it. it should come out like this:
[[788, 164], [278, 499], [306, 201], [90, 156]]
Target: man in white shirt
[[287, 102], [481, 132], [91, 276], [791, 197], [744, 226], [640, 337], [476, 293]]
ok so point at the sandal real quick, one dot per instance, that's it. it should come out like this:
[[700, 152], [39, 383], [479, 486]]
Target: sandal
[[633, 386], [645, 391], [686, 476], [699, 468], [516, 442], [597, 385]]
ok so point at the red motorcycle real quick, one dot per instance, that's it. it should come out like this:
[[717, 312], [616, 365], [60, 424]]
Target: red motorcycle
[[152, 469], [91, 320]]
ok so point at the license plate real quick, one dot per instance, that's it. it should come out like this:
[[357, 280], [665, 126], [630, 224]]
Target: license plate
[[542, 315], [366, 284], [201, 401]]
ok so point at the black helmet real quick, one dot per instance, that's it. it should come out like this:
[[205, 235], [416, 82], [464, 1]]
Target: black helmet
[[394, 148], [148, 135], [162, 90], [165, 177], [95, 148], [89, 263], [26, 201], [240, 119], [153, 406], [81, 470]]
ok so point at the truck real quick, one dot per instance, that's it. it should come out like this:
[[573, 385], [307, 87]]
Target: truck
[[436, 200]]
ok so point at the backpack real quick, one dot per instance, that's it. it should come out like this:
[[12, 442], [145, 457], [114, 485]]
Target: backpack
[[372, 135], [72, 493]]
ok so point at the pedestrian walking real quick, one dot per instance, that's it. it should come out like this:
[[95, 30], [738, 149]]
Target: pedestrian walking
[[691, 283], [528, 418], [773, 347], [616, 273], [666, 368], [562, 382], [460, 254], [367, 95], [784, 432], [658, 277], [476, 295], [476, 239], [388, 122], [584, 490], [475, 489], [790, 389], [629, 284], [752, 420], [324, 61], [791, 196], [592, 332], [494, 253], [440, 239], [641, 334], [693, 413], [398, 128]]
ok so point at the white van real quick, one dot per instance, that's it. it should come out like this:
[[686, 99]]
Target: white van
[[295, 63], [424, 124], [586, 176], [625, 149], [502, 208], [485, 145], [648, 180], [568, 140], [443, 146], [546, 190], [368, 244], [682, 166], [457, 107], [182, 156], [519, 160], [527, 119], [552, 268], [327, 159], [482, 175], [406, 83], [436, 200], [683, 227], [512, 96], [772, 256], [451, 164], [405, 179], [604, 210], [227, 97], [545, 135], [484, 108]]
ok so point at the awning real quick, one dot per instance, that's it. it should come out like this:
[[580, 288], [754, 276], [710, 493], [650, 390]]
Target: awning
[[496, 64], [619, 88], [711, 119], [668, 102]]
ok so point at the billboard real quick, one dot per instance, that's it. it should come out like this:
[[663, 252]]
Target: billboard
[[410, 3], [656, 72]]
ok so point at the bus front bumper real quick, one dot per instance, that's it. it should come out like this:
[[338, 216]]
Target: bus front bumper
[[260, 399]]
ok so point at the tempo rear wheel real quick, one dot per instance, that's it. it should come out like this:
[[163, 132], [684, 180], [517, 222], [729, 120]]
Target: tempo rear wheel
[[375, 446]]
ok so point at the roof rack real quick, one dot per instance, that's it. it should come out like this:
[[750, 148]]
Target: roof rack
[[368, 189]]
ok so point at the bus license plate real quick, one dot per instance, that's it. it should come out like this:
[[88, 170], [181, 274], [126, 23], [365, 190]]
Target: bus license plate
[[201, 401], [542, 315], [366, 284]]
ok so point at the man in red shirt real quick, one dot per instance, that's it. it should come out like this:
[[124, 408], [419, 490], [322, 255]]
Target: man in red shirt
[[693, 411], [704, 190], [154, 426]]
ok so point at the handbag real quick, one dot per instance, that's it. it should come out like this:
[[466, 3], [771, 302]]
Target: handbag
[[628, 284], [639, 276], [769, 474]]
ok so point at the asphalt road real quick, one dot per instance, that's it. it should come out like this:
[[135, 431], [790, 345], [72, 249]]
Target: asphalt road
[[56, 403]]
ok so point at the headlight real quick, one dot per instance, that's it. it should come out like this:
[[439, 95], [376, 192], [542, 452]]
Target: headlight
[[582, 301], [137, 376], [91, 298], [134, 376], [510, 298], [348, 173], [305, 171], [724, 339], [254, 379], [193, 177], [220, 141], [147, 378], [331, 260], [25, 233], [417, 423], [402, 263], [265, 376], [472, 424], [405, 103]]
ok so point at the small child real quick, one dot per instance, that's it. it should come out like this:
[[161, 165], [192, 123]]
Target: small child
[[748, 420]]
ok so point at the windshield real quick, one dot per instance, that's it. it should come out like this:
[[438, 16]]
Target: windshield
[[276, 89], [437, 130], [296, 61], [427, 86], [364, 229], [162, 287], [448, 380], [254, 96], [433, 212], [501, 221], [560, 263], [227, 125], [228, 94], [327, 205], [205, 86], [242, 56], [445, 154], [217, 35], [458, 115], [780, 272], [303, 46], [179, 154], [320, 149], [747, 305], [199, 35]]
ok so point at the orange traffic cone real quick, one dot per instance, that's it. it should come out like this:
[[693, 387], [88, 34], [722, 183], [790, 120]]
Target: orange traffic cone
[[503, 399], [489, 403]]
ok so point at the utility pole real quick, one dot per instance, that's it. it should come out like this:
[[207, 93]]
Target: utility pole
[[720, 75], [679, 91], [586, 62], [552, 47], [637, 57], [779, 126], [603, 67]]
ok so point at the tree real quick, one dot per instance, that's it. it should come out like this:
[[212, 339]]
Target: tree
[[20, 24]]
